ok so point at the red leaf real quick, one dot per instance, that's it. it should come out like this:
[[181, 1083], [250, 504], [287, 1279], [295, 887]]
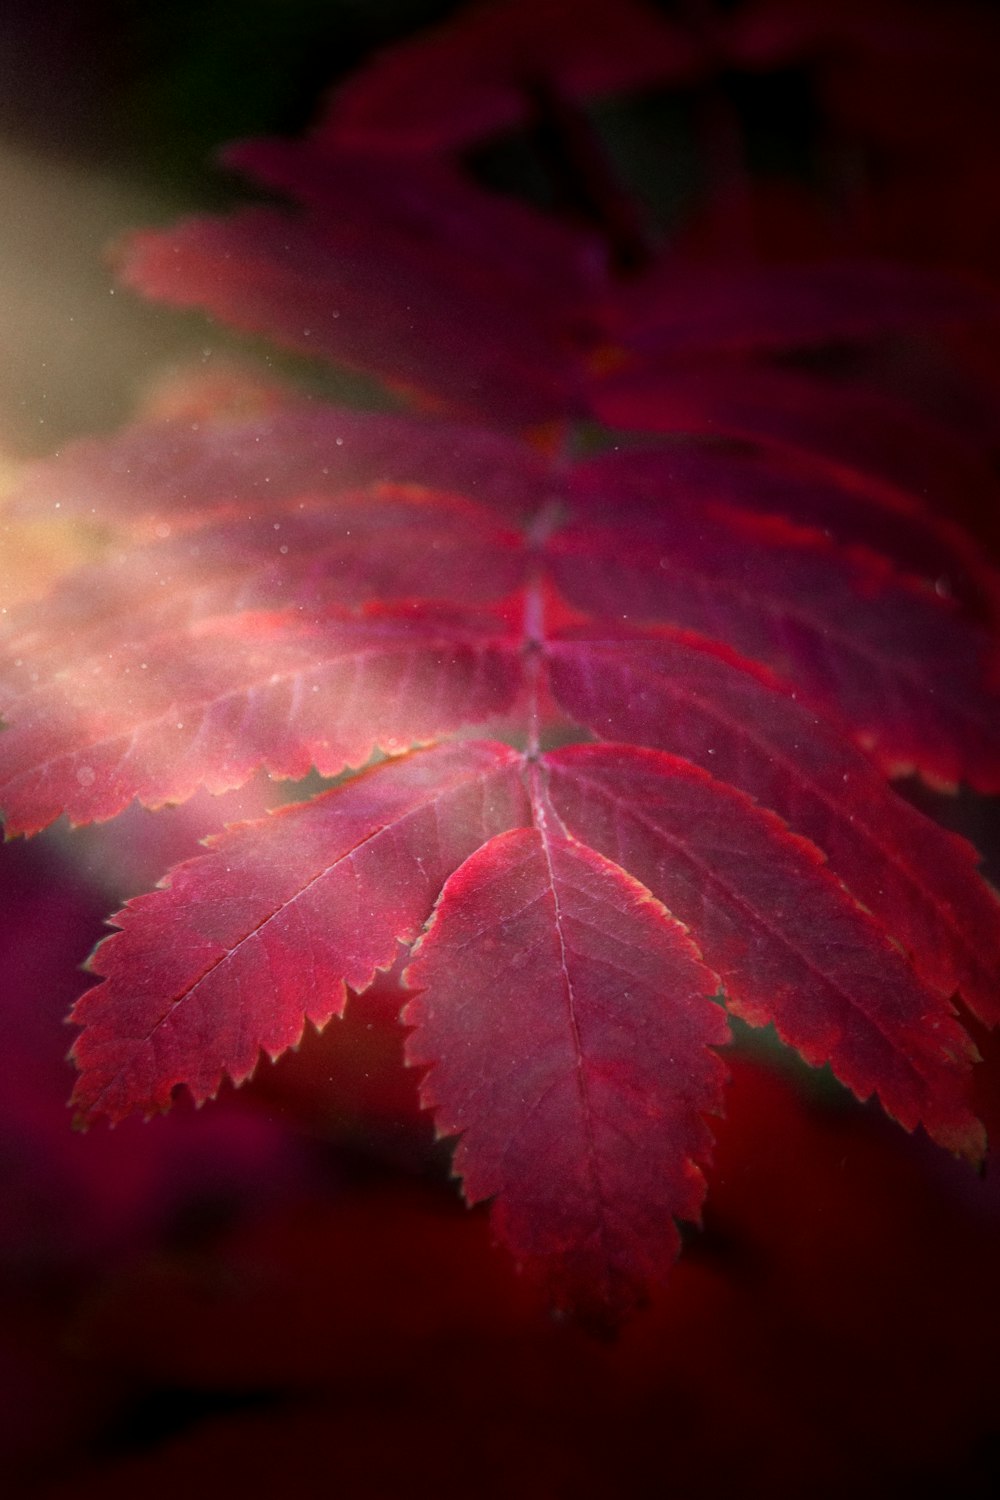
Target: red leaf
[[470, 538], [787, 941], [845, 628], [179, 472], [207, 705], [401, 272], [684, 695], [847, 458], [248, 942], [754, 638], [252, 659], [566, 1018]]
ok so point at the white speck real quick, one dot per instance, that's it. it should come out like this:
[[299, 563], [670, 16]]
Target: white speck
[[86, 775], [340, 444], [283, 550], [163, 530]]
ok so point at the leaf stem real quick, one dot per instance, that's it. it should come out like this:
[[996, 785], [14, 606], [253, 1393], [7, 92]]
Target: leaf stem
[[534, 635]]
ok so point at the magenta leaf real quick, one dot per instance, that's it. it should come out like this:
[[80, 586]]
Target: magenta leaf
[[245, 944], [567, 1022]]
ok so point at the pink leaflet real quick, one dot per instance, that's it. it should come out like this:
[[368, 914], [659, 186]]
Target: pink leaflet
[[566, 1021], [323, 553], [847, 631], [414, 313], [843, 458], [178, 472], [407, 271], [246, 943], [701, 702], [159, 715], [857, 429], [789, 944], [307, 507]]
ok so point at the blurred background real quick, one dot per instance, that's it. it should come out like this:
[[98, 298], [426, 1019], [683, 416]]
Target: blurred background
[[283, 1292], [110, 113]]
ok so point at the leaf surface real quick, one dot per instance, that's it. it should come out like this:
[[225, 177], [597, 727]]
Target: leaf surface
[[787, 941], [567, 1020], [176, 708], [851, 426], [897, 662], [413, 284], [847, 460], [246, 943], [687, 696]]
